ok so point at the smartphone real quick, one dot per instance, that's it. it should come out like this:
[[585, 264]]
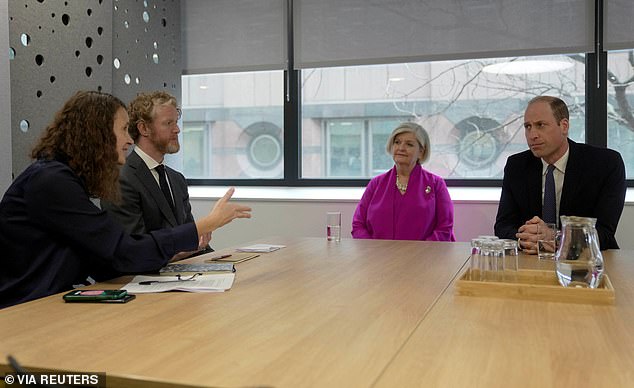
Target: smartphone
[[125, 299], [95, 295]]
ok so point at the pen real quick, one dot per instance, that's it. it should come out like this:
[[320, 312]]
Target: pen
[[219, 257]]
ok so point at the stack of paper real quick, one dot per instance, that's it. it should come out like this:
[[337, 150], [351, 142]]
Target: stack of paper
[[201, 283], [261, 248]]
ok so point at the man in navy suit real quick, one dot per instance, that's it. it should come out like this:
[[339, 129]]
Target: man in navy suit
[[146, 206], [589, 181]]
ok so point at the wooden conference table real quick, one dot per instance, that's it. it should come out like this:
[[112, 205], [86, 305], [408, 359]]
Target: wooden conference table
[[358, 313]]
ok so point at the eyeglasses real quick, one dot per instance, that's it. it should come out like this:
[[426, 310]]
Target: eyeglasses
[[178, 279]]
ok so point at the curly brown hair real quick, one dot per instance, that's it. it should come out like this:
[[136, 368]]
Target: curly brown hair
[[142, 109], [82, 132]]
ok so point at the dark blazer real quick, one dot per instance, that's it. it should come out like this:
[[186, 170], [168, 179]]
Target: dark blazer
[[52, 236], [144, 207], [594, 186]]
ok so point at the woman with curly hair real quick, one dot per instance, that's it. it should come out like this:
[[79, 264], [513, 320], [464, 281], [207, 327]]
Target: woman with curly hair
[[52, 234]]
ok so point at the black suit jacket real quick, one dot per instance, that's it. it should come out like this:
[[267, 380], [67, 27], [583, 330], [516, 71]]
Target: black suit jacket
[[144, 207], [52, 236], [594, 186]]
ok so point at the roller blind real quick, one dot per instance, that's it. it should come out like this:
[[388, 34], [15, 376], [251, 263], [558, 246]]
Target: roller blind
[[358, 32], [233, 35], [619, 24]]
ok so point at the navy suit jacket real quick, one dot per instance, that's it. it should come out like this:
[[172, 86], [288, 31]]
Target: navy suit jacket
[[144, 207], [594, 186], [52, 236]]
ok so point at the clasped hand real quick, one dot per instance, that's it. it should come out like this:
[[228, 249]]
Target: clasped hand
[[528, 234]]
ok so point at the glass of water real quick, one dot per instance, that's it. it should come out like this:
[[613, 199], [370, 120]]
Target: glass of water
[[333, 226]]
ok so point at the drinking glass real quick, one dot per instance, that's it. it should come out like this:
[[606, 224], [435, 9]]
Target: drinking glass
[[333, 226], [493, 260], [546, 241]]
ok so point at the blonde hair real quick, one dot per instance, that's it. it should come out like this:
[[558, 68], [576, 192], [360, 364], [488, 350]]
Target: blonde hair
[[421, 136], [142, 109]]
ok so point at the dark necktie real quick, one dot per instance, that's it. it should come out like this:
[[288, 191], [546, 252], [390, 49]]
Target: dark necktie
[[164, 186], [549, 210]]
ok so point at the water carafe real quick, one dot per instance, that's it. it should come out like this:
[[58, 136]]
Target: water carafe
[[578, 259]]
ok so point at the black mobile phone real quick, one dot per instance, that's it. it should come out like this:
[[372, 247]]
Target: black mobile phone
[[125, 299], [94, 295]]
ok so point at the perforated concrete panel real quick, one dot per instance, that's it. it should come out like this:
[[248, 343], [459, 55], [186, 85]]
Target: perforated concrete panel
[[58, 47]]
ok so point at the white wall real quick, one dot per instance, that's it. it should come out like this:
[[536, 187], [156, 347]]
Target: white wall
[[307, 218], [5, 100]]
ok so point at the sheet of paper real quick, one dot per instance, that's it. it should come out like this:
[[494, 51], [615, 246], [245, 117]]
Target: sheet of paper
[[261, 248], [203, 283]]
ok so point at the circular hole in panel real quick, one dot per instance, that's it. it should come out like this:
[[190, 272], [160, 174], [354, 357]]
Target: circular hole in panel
[[145, 29], [164, 84], [52, 79], [39, 27], [89, 11], [66, 4], [155, 58], [125, 24], [136, 80], [99, 88], [89, 42], [65, 19], [99, 59], [145, 3], [164, 22], [24, 125], [126, 79], [77, 53], [53, 14], [39, 59], [25, 39], [11, 53], [146, 17], [88, 71], [155, 45], [136, 40], [39, 94], [40, 1], [116, 7], [99, 30], [125, 10]]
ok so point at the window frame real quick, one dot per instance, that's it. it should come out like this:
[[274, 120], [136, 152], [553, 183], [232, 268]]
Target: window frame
[[595, 132]]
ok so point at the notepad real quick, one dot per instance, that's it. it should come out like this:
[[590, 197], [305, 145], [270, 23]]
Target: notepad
[[193, 268], [206, 283], [261, 248]]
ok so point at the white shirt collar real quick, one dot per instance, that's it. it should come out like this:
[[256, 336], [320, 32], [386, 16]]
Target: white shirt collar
[[149, 161], [559, 165]]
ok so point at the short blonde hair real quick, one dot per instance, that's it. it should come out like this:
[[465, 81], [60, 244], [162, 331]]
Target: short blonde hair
[[421, 136], [142, 109]]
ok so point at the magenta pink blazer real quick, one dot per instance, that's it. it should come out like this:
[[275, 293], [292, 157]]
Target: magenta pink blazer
[[425, 212]]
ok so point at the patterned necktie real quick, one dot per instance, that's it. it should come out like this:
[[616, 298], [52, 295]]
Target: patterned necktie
[[549, 209], [164, 186]]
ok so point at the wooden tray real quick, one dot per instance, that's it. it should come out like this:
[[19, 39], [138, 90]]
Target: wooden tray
[[536, 285]]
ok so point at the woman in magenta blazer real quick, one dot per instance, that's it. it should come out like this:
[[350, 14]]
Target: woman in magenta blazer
[[407, 202]]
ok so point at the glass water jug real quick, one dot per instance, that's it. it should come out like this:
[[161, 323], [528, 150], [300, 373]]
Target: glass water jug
[[578, 259]]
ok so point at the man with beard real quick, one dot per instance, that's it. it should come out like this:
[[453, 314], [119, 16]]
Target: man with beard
[[154, 196]]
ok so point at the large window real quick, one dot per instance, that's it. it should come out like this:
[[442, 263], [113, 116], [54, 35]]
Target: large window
[[233, 125], [472, 110], [620, 103], [306, 92]]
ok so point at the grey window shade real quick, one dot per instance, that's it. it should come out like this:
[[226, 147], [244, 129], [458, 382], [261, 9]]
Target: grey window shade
[[358, 32], [619, 24], [233, 35]]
